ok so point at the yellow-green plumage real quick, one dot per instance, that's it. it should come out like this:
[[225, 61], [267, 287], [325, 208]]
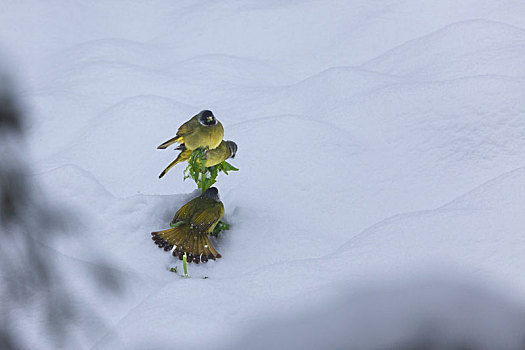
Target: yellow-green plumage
[[191, 225], [196, 133], [213, 157]]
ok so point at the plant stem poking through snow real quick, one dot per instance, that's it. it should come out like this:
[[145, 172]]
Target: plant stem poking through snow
[[204, 176], [185, 266]]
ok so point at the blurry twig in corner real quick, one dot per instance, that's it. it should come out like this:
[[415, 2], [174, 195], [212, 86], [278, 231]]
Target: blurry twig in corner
[[30, 283]]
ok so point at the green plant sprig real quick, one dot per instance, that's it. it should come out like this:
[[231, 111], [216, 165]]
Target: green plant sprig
[[185, 266], [221, 226], [203, 176]]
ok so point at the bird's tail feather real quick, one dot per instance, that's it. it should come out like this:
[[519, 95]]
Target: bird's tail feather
[[183, 156], [181, 239], [171, 141]]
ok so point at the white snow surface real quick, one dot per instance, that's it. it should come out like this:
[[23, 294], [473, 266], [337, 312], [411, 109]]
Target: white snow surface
[[379, 142]]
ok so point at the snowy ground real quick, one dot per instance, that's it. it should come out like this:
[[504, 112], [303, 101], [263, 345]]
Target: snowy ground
[[378, 142]]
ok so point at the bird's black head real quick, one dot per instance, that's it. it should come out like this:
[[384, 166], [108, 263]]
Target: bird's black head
[[206, 118], [212, 193], [233, 148]]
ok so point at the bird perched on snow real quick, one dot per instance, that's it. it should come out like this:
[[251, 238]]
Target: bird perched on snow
[[225, 150], [203, 130], [190, 228]]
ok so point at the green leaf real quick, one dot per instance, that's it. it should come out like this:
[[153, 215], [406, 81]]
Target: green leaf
[[225, 167], [204, 177], [176, 224], [221, 226]]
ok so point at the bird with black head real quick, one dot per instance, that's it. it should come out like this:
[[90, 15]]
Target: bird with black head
[[191, 226], [203, 130]]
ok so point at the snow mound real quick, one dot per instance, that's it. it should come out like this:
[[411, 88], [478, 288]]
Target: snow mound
[[466, 48], [128, 130], [468, 232]]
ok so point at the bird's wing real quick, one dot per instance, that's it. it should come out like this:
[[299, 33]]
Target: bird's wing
[[206, 219], [188, 127], [185, 213], [185, 129]]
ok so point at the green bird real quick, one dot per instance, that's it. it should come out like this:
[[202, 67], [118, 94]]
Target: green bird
[[190, 228], [225, 150], [203, 130]]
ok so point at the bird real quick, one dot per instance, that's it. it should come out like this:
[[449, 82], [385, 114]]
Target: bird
[[225, 150], [203, 130], [190, 228]]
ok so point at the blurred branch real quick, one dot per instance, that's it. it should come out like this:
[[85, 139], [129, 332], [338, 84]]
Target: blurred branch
[[30, 282]]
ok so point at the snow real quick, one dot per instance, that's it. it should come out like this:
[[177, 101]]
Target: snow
[[380, 149]]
